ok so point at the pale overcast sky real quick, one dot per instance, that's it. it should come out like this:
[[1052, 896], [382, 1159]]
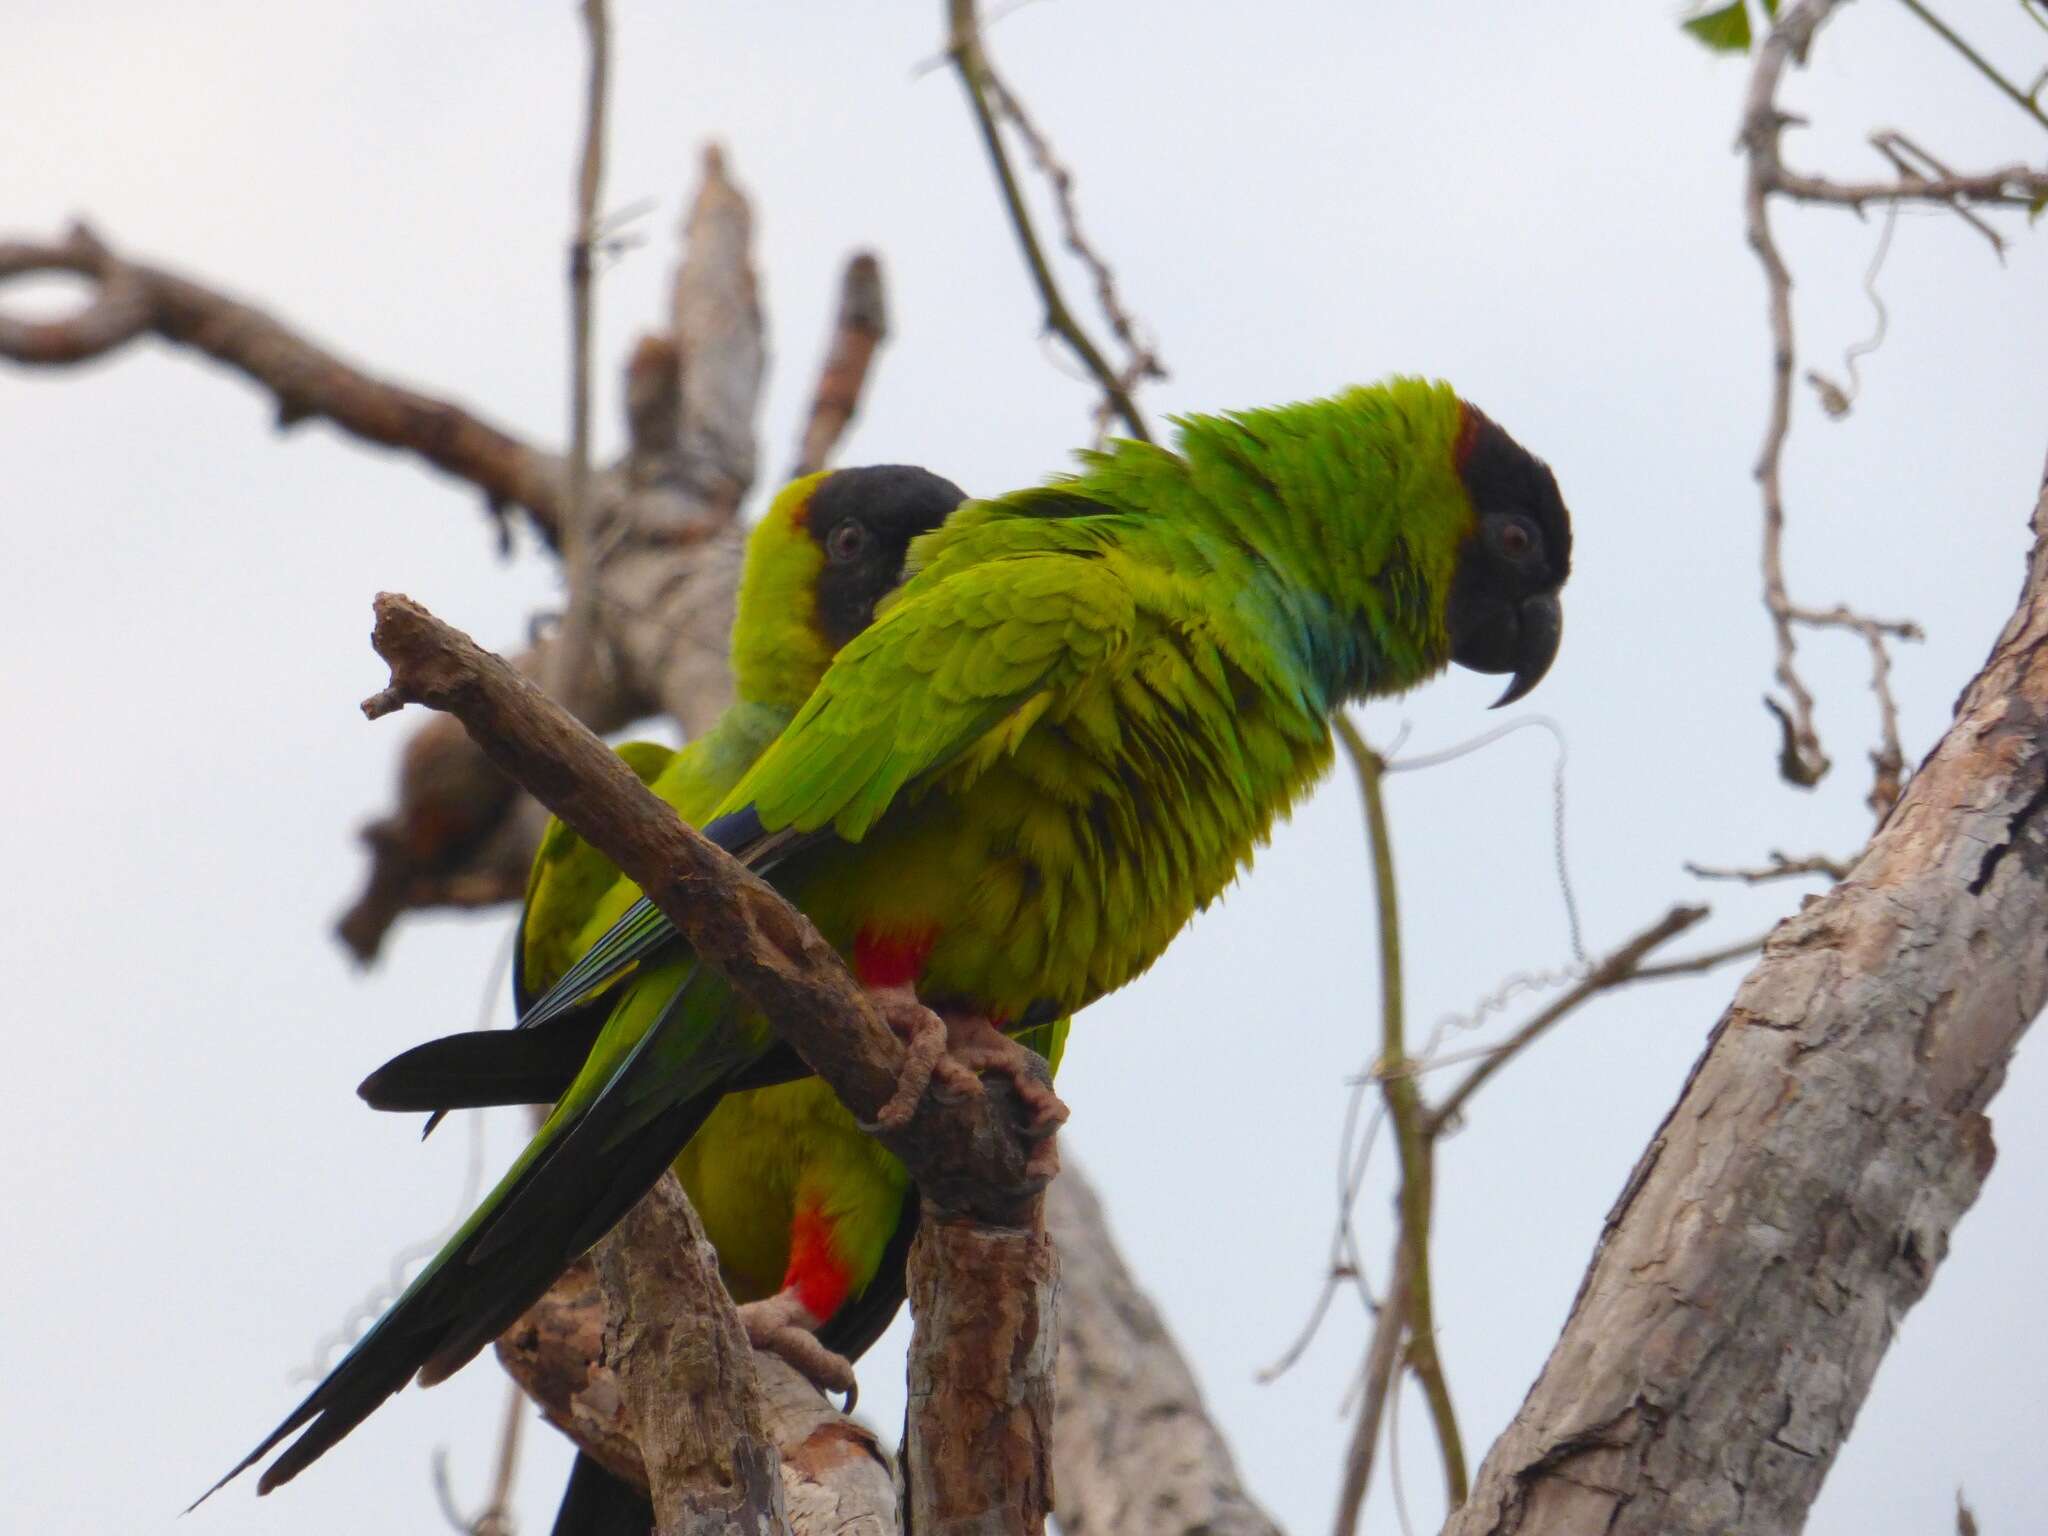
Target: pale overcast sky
[[1539, 203]]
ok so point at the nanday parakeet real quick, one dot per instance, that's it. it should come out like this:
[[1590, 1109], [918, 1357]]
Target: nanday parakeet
[[828, 548], [1064, 734], [798, 1201]]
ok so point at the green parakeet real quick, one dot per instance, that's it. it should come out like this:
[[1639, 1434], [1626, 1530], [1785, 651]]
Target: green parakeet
[[1063, 735], [798, 1201], [793, 1195]]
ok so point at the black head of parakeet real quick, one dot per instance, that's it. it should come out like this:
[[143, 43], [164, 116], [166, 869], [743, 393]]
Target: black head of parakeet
[[1503, 614], [863, 520]]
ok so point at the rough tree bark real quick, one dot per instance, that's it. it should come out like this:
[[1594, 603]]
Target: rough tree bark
[[1134, 1452], [1798, 1198], [836, 1478]]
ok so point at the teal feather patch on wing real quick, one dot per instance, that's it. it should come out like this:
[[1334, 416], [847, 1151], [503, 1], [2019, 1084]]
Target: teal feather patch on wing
[[640, 935]]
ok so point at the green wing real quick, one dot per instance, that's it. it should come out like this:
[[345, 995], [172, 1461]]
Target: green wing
[[950, 677], [569, 880], [953, 674]]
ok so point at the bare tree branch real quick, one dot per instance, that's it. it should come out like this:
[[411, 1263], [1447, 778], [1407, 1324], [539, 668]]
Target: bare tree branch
[[664, 543], [836, 1479], [1412, 1123], [1921, 179], [1141, 359], [858, 328], [1977, 61], [977, 1446], [573, 655], [1780, 867], [683, 1366], [1708, 960], [2012, 186], [1617, 970], [1376, 1381], [307, 381], [495, 1518], [1798, 1199], [970, 61], [1133, 1449]]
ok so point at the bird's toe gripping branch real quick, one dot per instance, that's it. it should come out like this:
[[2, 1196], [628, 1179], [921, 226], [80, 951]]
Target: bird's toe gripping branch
[[927, 1066], [785, 1327], [946, 1056], [974, 1045]]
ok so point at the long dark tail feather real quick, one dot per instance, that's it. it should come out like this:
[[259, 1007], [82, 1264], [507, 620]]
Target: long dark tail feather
[[574, 1190], [484, 1067], [643, 933], [487, 1068], [553, 1210], [597, 1504]]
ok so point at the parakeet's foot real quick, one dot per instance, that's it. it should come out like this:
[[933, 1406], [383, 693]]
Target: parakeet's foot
[[977, 1046], [786, 1328], [926, 1035]]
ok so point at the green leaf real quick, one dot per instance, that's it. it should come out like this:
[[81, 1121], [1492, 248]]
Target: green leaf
[[1771, 9], [1725, 30], [2035, 205]]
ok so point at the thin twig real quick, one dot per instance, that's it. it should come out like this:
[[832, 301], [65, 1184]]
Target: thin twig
[[1401, 1514], [1377, 1375], [970, 62], [1781, 867], [1800, 760], [1144, 359], [1888, 762], [1982, 65], [495, 1518], [1915, 164], [1693, 965], [1411, 1131], [1616, 970], [575, 645]]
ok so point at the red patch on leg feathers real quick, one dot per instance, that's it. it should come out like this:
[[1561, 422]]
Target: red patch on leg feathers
[[891, 959], [815, 1273]]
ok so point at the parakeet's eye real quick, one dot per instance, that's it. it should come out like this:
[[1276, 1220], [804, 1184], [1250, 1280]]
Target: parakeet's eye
[[1514, 537], [847, 541]]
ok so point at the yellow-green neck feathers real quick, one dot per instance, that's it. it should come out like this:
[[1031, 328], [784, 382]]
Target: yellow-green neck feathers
[[778, 650]]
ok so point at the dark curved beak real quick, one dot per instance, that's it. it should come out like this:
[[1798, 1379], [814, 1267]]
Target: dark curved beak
[[1542, 627]]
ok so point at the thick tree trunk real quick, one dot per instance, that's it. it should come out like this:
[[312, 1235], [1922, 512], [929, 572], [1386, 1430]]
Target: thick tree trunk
[[1796, 1202]]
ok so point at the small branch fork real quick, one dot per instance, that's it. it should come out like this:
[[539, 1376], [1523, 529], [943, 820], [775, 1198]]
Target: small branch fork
[[1780, 867], [988, 96], [1404, 1327], [1921, 179], [987, 1256]]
